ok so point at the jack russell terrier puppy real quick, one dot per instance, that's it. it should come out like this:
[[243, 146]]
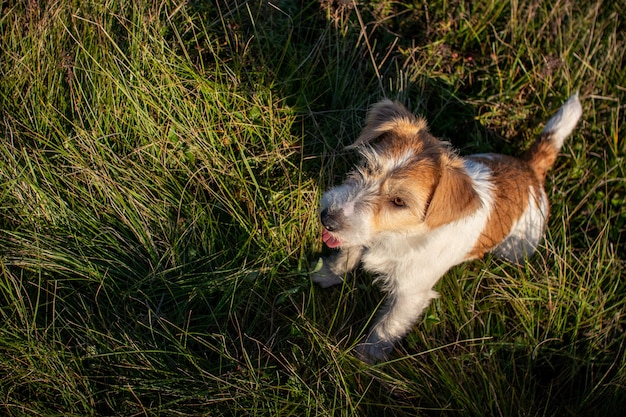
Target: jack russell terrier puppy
[[413, 208]]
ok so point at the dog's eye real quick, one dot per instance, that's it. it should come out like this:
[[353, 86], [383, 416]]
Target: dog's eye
[[398, 202]]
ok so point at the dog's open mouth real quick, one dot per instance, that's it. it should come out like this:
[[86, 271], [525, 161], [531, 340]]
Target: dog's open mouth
[[329, 240]]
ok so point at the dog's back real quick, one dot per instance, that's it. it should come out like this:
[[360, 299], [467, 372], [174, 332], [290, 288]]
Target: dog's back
[[520, 205]]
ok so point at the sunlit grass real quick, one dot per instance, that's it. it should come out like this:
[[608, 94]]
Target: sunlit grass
[[160, 171]]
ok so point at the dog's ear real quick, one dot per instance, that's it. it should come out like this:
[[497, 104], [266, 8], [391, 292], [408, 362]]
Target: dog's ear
[[454, 196], [388, 116]]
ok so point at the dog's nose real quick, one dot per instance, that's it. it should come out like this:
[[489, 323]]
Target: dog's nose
[[329, 221]]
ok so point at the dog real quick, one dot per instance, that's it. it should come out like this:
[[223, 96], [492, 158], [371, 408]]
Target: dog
[[413, 208]]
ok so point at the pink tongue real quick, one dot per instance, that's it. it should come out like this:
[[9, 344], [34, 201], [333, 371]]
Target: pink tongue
[[330, 241]]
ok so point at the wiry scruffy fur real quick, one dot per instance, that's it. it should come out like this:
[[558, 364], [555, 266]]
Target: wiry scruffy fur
[[413, 208]]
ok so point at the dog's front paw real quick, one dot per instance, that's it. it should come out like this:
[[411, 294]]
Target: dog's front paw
[[323, 276], [373, 350]]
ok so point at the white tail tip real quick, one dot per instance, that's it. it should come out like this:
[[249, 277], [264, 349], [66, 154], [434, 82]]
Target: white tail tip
[[564, 121]]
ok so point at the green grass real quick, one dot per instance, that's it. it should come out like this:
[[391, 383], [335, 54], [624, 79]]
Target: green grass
[[160, 168]]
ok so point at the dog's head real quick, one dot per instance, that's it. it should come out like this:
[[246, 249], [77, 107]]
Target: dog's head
[[408, 183]]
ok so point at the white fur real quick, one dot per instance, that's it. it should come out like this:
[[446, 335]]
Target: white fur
[[563, 122], [409, 266]]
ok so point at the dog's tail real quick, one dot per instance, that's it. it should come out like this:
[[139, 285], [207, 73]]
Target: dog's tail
[[544, 151]]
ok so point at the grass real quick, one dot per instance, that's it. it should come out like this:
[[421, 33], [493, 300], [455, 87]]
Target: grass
[[160, 169]]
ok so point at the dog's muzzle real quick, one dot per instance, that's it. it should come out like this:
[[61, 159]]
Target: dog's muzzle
[[331, 220]]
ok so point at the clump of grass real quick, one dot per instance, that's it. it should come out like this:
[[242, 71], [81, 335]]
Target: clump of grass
[[160, 171]]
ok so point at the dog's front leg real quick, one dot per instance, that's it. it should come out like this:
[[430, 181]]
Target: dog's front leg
[[402, 310], [335, 266]]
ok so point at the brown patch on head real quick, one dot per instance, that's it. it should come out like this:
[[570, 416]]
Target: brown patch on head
[[404, 196], [454, 196], [512, 179], [414, 168], [392, 117]]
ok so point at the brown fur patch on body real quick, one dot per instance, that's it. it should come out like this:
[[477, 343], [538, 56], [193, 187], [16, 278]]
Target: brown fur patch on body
[[512, 179]]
